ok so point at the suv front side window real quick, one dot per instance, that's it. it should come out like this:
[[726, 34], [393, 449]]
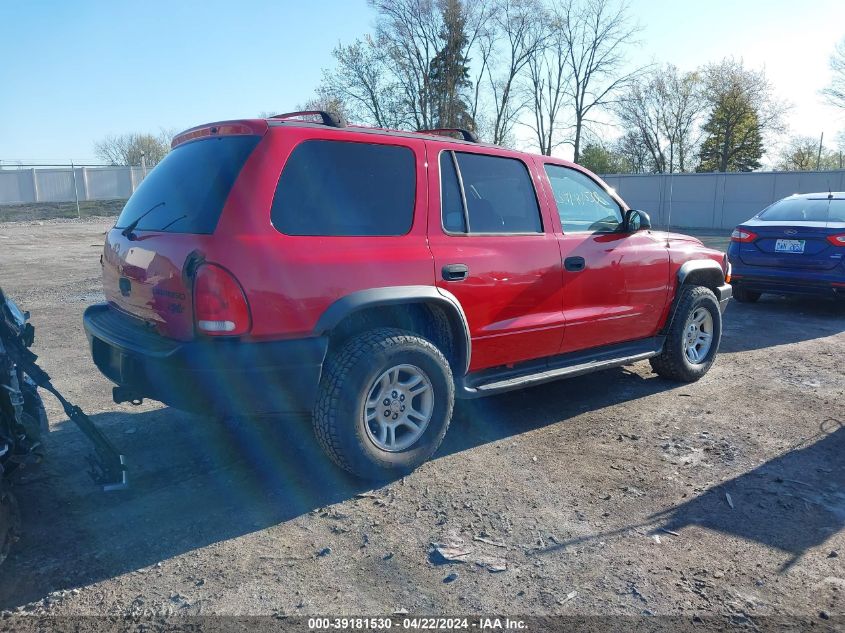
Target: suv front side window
[[487, 194], [583, 206]]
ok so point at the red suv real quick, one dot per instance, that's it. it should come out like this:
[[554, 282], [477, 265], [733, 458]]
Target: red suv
[[371, 276]]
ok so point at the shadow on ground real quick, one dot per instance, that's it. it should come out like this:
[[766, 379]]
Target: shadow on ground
[[792, 503], [195, 482], [774, 321]]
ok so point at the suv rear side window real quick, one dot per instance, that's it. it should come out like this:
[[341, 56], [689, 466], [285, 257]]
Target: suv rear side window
[[498, 191], [341, 188], [185, 192], [582, 204]]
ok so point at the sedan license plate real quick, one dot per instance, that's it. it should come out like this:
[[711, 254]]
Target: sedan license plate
[[789, 246]]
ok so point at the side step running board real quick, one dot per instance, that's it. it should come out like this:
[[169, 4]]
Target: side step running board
[[499, 380]]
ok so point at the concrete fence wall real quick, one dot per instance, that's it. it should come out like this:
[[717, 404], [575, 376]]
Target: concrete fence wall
[[704, 201], [63, 184], [713, 200]]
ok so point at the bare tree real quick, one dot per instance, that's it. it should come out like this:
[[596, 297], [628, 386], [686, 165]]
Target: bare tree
[[520, 33], [127, 149], [481, 39], [664, 109], [409, 32], [835, 92], [363, 83], [597, 33], [633, 152], [548, 77]]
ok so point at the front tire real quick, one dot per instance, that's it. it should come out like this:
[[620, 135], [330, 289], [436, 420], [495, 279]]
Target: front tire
[[385, 403], [693, 337]]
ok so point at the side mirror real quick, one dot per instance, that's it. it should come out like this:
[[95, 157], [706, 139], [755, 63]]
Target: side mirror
[[636, 220]]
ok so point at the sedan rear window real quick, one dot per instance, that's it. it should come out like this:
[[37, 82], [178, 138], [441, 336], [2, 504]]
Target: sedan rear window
[[185, 192], [805, 210]]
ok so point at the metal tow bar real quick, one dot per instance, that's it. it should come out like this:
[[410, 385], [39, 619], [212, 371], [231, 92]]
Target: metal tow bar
[[107, 467]]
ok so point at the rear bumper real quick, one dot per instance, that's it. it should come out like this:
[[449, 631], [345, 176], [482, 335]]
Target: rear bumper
[[790, 285], [221, 376], [781, 280]]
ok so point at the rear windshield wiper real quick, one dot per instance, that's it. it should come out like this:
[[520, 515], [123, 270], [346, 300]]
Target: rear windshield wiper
[[171, 223], [127, 232]]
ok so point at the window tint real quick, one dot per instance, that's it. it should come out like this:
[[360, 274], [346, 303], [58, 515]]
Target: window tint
[[341, 188], [805, 210], [452, 206], [499, 195], [186, 191], [581, 203]]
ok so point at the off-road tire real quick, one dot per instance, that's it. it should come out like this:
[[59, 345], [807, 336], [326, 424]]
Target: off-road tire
[[672, 362], [338, 415], [9, 520], [745, 296]]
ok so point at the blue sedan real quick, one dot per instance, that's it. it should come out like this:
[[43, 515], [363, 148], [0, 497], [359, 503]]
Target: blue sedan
[[794, 246]]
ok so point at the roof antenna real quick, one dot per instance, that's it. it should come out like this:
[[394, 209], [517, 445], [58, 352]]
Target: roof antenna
[[669, 218]]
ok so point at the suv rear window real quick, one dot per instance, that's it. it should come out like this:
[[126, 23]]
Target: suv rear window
[[185, 192], [805, 210], [346, 189]]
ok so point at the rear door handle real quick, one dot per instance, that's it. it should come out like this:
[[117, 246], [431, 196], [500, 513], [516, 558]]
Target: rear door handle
[[574, 264], [455, 272]]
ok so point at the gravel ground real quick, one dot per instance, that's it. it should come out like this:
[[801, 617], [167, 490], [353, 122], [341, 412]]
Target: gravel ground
[[617, 493]]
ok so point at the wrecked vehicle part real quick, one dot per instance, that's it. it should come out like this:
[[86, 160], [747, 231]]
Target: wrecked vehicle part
[[23, 419]]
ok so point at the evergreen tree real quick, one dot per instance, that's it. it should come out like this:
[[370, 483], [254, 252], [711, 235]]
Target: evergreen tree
[[449, 71], [732, 140], [742, 109]]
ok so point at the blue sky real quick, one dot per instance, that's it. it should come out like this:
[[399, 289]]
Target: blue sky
[[73, 72]]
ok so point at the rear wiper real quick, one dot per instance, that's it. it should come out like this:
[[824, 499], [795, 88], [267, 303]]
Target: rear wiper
[[129, 230], [169, 224]]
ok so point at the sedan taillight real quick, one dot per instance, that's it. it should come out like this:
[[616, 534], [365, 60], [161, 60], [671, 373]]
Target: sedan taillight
[[837, 240], [743, 235]]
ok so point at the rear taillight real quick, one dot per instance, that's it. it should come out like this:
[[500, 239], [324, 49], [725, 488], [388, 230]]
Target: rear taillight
[[743, 235], [220, 305], [837, 240]]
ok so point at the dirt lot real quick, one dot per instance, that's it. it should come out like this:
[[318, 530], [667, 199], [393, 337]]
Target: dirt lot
[[616, 493]]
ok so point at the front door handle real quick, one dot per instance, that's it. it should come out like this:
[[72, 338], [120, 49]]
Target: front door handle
[[574, 264], [455, 272]]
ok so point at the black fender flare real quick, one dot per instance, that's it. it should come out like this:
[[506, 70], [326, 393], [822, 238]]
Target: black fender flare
[[697, 265], [398, 295]]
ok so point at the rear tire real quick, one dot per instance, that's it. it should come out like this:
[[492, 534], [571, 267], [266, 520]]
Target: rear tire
[[697, 322], [745, 296], [385, 402]]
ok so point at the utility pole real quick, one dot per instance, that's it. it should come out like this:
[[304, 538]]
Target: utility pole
[[819, 155]]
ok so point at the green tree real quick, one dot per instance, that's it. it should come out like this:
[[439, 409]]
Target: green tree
[[603, 161], [802, 153], [449, 71], [741, 110]]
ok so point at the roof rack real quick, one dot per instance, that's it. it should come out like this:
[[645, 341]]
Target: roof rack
[[465, 134], [329, 118]]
